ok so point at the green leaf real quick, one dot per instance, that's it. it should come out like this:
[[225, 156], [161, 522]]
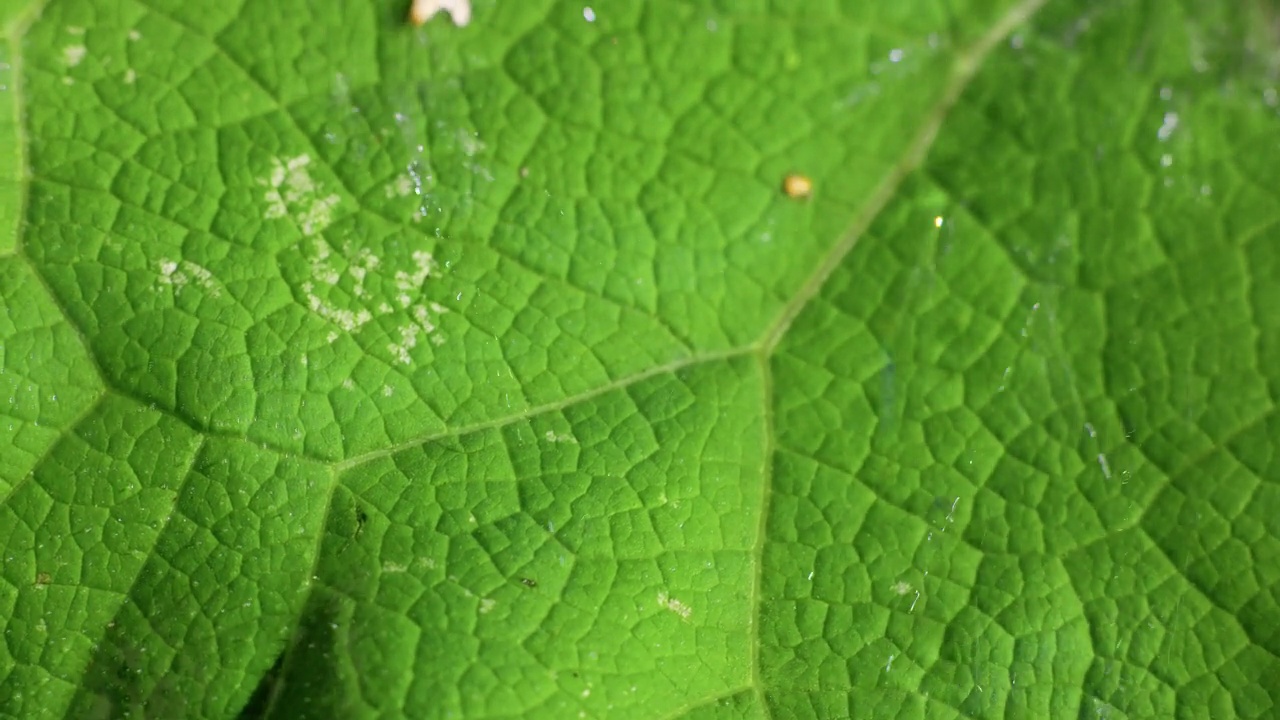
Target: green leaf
[[352, 369]]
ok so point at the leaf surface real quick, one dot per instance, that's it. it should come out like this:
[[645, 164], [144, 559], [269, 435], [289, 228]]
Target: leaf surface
[[356, 370]]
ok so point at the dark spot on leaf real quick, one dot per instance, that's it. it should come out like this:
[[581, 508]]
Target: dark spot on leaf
[[43, 579], [528, 582]]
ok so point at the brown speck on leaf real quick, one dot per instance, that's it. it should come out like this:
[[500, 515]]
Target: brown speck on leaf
[[528, 582], [43, 579]]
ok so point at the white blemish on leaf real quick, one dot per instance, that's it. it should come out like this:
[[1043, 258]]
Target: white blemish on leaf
[[179, 274], [340, 284], [134, 36], [291, 192], [554, 437], [402, 186], [409, 284], [423, 319], [394, 567], [486, 604], [73, 54], [424, 264], [130, 76], [1167, 126], [423, 10], [902, 587], [408, 340], [674, 605], [365, 263], [75, 30], [470, 143], [321, 270], [348, 320]]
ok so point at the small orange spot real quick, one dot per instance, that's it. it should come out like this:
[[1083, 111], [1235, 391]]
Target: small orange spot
[[797, 186]]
